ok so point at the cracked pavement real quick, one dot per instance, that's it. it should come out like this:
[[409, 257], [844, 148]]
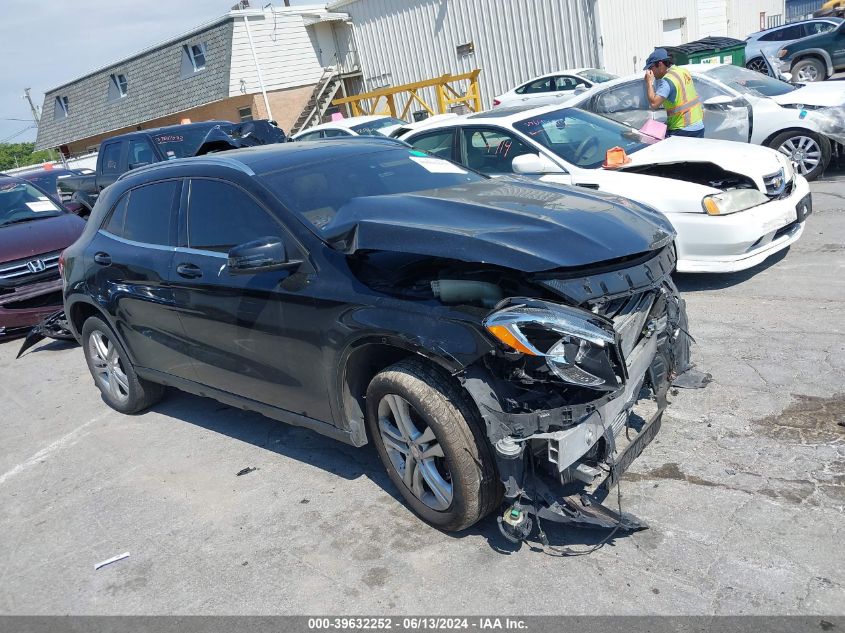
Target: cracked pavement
[[744, 487]]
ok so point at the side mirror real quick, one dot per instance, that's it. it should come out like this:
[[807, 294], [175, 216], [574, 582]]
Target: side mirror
[[719, 101], [76, 208], [263, 254], [580, 89], [535, 164]]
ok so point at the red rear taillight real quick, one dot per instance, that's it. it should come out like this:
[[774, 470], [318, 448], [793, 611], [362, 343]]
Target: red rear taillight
[[496, 102], [62, 264]]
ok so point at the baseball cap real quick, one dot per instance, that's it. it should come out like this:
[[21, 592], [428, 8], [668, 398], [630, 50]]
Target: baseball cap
[[659, 55]]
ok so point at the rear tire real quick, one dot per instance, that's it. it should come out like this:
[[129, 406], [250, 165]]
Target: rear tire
[[113, 372], [808, 151], [431, 441], [808, 70]]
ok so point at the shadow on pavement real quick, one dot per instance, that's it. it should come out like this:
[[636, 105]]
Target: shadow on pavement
[[697, 282], [343, 460]]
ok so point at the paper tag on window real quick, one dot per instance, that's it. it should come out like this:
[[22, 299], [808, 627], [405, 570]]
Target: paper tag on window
[[42, 205], [437, 165]]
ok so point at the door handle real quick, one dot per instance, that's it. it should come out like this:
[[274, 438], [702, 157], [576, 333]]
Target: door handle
[[103, 259], [189, 271]]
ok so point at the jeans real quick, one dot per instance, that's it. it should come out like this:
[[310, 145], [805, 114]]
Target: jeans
[[696, 134]]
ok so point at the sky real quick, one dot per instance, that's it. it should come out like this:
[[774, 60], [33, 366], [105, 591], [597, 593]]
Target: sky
[[50, 42]]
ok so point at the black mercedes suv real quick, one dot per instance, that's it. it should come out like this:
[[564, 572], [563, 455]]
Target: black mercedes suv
[[495, 339]]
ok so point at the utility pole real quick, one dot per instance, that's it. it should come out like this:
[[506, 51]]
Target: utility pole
[[36, 116]]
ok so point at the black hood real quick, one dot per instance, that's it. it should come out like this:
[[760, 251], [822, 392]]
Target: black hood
[[517, 224]]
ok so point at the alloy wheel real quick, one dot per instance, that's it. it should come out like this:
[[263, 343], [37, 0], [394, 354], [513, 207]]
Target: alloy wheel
[[804, 152], [807, 74], [415, 452], [108, 368], [758, 65]]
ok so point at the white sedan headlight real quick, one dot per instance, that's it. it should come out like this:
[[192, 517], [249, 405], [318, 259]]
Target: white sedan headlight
[[732, 201]]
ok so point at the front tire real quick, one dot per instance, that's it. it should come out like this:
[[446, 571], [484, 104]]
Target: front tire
[[808, 151], [113, 372], [431, 441], [759, 65], [808, 70]]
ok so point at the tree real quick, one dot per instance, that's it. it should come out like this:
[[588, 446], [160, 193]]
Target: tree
[[19, 154]]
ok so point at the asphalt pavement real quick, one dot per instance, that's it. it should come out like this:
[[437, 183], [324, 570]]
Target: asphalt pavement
[[744, 487]]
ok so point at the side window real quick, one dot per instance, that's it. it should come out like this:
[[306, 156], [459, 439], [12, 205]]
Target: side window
[[221, 216], [567, 82], [334, 133], [151, 211], [492, 151], [311, 136], [792, 33], [814, 28], [140, 153], [111, 158], [438, 143], [774, 36], [114, 225], [622, 98], [706, 90], [546, 84]]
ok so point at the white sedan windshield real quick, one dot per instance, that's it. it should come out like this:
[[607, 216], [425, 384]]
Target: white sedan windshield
[[750, 82]]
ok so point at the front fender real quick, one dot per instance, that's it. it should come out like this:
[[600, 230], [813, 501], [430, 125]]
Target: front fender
[[808, 52]]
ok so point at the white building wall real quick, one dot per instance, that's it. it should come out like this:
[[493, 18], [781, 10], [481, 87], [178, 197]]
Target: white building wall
[[630, 30], [713, 18], [285, 51], [403, 41], [744, 15]]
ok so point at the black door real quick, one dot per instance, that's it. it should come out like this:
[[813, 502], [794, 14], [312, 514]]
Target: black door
[[131, 256], [251, 334]]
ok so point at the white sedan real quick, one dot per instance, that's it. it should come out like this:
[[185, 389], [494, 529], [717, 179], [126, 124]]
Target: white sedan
[[741, 105], [732, 204], [370, 125], [553, 87]]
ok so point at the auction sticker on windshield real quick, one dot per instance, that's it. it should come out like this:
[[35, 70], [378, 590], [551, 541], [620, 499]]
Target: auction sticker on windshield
[[41, 205]]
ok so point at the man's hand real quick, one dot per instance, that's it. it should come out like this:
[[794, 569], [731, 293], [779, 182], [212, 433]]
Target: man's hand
[[649, 77]]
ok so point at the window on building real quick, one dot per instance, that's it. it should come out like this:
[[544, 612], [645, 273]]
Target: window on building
[[195, 55], [221, 216], [245, 114], [118, 86], [61, 108]]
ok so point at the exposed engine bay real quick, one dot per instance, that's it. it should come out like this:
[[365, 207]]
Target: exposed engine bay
[[706, 174], [578, 350]]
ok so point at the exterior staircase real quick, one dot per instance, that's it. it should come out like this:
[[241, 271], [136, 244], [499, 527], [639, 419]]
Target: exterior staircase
[[321, 98]]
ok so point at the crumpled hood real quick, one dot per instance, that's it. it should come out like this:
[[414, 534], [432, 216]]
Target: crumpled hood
[[754, 161], [819, 93], [28, 239], [516, 224]]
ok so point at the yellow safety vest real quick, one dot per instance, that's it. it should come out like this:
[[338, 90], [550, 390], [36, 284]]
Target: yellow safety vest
[[686, 109]]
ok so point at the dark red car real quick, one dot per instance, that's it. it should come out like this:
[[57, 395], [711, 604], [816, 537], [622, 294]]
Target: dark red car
[[34, 230]]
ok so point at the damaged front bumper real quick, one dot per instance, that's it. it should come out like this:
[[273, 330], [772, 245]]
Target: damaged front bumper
[[735, 242], [559, 463]]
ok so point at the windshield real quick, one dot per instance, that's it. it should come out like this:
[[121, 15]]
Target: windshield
[[750, 82], [21, 202], [316, 191], [182, 143], [596, 76], [373, 128], [581, 138]]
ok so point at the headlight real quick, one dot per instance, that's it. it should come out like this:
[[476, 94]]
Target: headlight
[[782, 53], [578, 346], [733, 201]]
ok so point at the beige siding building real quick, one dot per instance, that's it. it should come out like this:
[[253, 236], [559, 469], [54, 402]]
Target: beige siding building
[[247, 64]]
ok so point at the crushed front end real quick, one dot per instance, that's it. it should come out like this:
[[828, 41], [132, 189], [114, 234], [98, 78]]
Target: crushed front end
[[575, 389]]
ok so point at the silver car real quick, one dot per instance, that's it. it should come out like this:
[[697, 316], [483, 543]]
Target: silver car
[[766, 43]]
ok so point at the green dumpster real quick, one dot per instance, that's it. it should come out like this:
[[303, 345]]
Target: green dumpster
[[710, 50]]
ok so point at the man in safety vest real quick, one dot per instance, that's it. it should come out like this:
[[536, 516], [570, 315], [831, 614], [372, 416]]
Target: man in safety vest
[[675, 91]]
